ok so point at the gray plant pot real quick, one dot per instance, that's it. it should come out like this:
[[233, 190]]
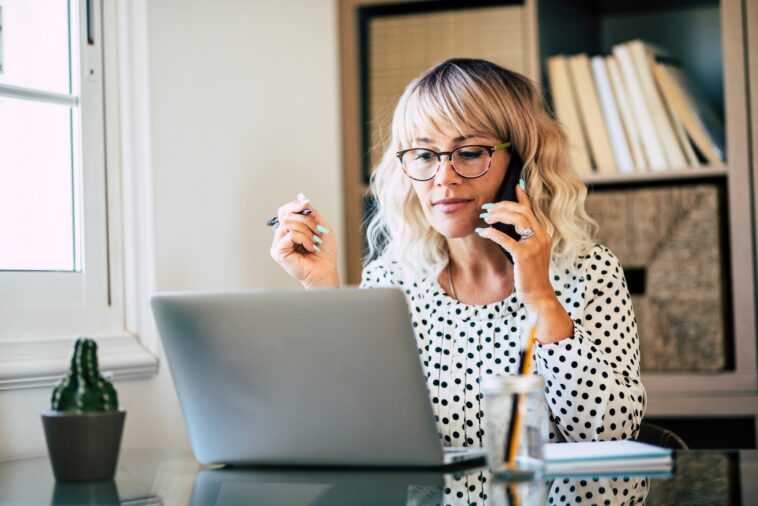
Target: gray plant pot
[[83, 446]]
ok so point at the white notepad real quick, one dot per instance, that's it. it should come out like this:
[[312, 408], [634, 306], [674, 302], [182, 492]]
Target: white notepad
[[607, 458]]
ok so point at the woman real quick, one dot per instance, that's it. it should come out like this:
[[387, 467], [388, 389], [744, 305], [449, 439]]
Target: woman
[[455, 132]]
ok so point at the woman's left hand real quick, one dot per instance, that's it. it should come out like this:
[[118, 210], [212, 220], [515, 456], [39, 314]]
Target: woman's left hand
[[531, 262]]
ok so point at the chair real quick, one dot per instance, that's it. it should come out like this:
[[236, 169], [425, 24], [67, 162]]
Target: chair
[[657, 435]]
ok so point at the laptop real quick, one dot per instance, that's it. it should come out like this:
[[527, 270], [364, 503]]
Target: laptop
[[302, 378]]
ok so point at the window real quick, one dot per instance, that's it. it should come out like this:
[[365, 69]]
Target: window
[[58, 275]]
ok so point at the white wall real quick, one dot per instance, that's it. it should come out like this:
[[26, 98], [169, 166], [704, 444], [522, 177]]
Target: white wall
[[243, 116]]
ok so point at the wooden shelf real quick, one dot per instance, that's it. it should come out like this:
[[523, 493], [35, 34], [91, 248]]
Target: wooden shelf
[[655, 177], [595, 27]]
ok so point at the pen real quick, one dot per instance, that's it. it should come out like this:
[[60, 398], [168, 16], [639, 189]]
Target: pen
[[273, 222]]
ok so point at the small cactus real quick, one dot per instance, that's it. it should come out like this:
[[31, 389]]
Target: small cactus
[[83, 388]]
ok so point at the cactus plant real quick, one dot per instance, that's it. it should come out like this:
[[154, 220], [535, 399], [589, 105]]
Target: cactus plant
[[83, 389]]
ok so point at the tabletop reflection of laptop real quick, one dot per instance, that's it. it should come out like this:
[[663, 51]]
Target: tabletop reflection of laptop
[[237, 486], [322, 377]]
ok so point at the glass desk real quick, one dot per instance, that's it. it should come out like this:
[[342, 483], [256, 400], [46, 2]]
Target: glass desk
[[154, 477]]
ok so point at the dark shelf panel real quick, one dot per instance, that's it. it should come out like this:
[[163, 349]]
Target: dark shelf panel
[[603, 7], [711, 432], [647, 178]]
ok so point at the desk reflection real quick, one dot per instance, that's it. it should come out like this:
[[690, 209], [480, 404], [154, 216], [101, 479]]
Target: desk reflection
[[103, 493], [482, 488], [233, 486], [236, 486], [174, 477]]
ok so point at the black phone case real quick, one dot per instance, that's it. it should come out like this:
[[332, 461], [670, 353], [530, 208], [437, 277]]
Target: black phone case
[[507, 191]]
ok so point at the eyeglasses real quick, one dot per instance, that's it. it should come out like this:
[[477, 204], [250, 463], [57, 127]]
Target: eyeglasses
[[468, 161]]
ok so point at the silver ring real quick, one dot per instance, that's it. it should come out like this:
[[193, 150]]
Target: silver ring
[[527, 233]]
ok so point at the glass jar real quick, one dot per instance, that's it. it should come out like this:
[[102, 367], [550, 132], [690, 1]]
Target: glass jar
[[515, 424]]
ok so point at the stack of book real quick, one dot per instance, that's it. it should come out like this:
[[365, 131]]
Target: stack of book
[[633, 111]]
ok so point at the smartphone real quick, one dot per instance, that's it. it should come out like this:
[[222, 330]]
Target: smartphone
[[507, 191]]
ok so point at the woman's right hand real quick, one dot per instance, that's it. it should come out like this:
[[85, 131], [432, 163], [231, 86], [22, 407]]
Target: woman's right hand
[[304, 245]]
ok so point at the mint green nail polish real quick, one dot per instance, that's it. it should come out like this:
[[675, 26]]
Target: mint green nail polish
[[488, 206], [522, 184], [318, 239], [316, 248], [484, 215], [478, 230], [322, 229]]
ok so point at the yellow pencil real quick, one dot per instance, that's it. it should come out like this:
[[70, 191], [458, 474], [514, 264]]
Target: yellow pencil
[[515, 494], [526, 364]]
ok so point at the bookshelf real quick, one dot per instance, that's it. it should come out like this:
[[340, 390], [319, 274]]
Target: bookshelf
[[711, 38]]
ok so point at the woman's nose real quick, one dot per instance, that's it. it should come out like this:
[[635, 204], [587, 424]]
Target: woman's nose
[[446, 174]]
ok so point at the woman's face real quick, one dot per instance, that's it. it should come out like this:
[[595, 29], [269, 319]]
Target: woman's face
[[452, 203]]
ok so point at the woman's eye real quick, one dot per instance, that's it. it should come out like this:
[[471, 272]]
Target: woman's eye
[[470, 154], [424, 156]]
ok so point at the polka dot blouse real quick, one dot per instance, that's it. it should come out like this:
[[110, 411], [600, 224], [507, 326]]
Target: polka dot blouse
[[592, 378]]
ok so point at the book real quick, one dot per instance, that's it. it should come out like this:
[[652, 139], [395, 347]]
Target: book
[[607, 458], [642, 55], [612, 119], [631, 128], [591, 114], [681, 134], [656, 159], [567, 112], [691, 107], [655, 53]]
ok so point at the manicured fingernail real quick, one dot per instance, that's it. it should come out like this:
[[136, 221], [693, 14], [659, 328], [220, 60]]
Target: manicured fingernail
[[322, 229], [301, 196], [522, 184], [479, 230], [488, 206], [484, 215], [305, 201], [318, 239], [316, 248]]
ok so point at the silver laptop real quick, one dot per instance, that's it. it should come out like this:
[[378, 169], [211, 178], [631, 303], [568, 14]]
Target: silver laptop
[[294, 377]]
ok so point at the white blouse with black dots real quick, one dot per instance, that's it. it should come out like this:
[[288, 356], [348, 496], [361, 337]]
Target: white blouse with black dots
[[592, 378]]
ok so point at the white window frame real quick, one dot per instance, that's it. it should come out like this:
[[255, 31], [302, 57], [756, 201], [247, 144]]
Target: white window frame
[[41, 312]]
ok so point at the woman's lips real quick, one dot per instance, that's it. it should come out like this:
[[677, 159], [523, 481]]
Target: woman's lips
[[451, 205]]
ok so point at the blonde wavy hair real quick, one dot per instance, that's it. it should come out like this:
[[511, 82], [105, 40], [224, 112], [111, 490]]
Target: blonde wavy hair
[[476, 96]]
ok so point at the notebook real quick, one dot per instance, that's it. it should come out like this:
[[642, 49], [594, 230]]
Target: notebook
[[607, 458]]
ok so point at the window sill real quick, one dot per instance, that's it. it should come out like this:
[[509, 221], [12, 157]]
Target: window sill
[[31, 362]]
